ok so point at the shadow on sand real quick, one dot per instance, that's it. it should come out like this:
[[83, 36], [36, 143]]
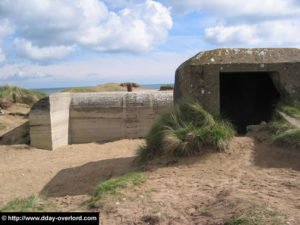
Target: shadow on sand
[[82, 180], [272, 156], [19, 135]]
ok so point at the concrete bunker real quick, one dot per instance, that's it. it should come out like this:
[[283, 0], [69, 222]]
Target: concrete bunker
[[244, 84], [66, 118], [247, 98]]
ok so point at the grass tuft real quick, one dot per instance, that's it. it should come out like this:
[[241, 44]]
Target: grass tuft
[[284, 133], [183, 131], [111, 187], [290, 137], [2, 126], [292, 108], [259, 215], [29, 204], [12, 94]]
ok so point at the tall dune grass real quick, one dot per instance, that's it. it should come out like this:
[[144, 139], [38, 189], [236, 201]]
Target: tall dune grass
[[12, 94], [184, 130]]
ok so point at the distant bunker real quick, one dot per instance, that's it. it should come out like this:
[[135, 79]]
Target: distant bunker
[[67, 118], [244, 85]]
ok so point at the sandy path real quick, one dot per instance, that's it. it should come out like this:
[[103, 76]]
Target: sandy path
[[206, 189], [214, 187]]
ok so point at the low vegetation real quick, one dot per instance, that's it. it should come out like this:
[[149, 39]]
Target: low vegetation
[[111, 187], [166, 87], [184, 130], [30, 204], [292, 108], [259, 215], [135, 85], [102, 88], [284, 133], [12, 94], [2, 126]]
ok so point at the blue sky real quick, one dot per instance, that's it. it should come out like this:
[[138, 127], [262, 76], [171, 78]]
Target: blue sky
[[62, 43]]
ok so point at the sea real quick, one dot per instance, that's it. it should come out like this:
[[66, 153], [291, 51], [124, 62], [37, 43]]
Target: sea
[[49, 91]]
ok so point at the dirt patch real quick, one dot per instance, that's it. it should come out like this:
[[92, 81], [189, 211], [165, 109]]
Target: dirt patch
[[207, 189], [15, 123]]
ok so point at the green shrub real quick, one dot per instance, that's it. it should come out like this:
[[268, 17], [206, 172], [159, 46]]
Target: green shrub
[[184, 130], [11, 94], [166, 87]]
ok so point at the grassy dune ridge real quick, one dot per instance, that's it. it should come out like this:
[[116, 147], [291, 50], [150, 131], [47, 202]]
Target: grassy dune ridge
[[104, 88], [12, 94]]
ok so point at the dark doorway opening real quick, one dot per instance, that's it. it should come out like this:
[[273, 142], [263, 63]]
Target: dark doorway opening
[[247, 98]]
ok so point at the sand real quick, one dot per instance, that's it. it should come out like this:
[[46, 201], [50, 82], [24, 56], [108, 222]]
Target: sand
[[206, 189]]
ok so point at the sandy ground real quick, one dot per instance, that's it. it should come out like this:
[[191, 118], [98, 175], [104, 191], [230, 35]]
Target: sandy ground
[[205, 189]]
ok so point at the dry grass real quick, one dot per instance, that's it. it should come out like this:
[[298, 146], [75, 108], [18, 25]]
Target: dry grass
[[12, 94]]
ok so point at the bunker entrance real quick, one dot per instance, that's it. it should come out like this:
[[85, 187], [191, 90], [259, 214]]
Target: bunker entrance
[[247, 98]]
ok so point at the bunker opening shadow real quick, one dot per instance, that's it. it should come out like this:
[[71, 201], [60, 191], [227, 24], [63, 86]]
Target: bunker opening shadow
[[247, 98]]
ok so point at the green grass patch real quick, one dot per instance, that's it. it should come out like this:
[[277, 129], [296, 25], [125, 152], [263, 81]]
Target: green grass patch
[[101, 88], [284, 133], [166, 87], [2, 127], [259, 215], [184, 130], [29, 204], [292, 108], [289, 138], [12, 94], [111, 187]]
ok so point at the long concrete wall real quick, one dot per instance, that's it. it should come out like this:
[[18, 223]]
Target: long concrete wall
[[66, 118]]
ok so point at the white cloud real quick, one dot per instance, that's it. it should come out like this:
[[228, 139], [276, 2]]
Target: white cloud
[[26, 48], [135, 29], [6, 28], [2, 57], [232, 8], [243, 23], [46, 26], [25, 75], [269, 33]]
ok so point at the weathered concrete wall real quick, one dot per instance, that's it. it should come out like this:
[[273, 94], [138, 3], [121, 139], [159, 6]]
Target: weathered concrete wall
[[40, 125], [59, 116], [198, 77], [89, 117], [109, 116], [49, 121]]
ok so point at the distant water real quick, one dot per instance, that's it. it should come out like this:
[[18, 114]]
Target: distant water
[[49, 91]]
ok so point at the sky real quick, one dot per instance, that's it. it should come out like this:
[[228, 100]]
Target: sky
[[68, 43]]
